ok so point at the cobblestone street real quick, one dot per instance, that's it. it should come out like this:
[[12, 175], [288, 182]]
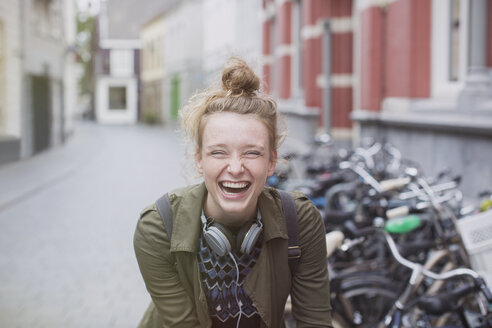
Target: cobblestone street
[[67, 218]]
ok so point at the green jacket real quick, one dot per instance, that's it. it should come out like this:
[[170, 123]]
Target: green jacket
[[171, 274]]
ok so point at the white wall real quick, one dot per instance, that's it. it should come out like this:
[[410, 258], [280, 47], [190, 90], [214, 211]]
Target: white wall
[[201, 34], [183, 37], [70, 74], [10, 116], [219, 32], [44, 43], [183, 51], [231, 28]]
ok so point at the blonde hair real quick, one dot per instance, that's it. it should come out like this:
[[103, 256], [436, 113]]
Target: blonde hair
[[240, 93]]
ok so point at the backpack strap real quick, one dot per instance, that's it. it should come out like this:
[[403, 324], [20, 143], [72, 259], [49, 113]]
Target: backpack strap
[[165, 211], [290, 212]]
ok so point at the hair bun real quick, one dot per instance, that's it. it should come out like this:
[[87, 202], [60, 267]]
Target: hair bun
[[238, 78]]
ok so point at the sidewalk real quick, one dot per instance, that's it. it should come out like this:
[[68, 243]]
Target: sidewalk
[[67, 218], [23, 178]]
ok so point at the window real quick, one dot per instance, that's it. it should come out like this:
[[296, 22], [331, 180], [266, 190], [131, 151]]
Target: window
[[449, 45], [121, 62], [117, 98], [46, 18]]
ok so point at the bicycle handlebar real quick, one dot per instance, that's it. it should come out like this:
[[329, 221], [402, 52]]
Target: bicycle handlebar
[[418, 268], [406, 209], [435, 189], [369, 179]]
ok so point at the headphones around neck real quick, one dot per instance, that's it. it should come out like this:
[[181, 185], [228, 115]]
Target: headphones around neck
[[222, 241]]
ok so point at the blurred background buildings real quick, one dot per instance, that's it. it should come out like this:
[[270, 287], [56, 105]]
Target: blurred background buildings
[[416, 73], [37, 75], [117, 58]]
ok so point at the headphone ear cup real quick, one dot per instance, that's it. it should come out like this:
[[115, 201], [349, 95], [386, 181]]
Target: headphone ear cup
[[218, 239], [247, 237]]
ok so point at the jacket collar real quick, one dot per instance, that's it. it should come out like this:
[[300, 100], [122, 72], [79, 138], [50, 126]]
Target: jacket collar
[[187, 207]]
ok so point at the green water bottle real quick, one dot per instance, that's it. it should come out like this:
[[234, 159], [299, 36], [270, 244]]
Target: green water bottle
[[403, 224]]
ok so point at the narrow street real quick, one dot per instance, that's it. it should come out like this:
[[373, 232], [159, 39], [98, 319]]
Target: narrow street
[[67, 218]]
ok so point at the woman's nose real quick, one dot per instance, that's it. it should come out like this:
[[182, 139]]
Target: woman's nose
[[235, 165]]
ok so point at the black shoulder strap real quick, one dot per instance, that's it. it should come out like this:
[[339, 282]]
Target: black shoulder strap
[[165, 211], [290, 212]]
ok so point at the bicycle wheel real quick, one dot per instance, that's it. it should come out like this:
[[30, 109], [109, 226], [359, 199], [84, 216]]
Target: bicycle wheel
[[364, 306]]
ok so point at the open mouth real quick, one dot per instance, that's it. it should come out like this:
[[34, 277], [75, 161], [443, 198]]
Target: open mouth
[[234, 188]]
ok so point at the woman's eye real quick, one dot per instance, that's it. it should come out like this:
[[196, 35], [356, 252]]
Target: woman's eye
[[253, 154], [217, 153]]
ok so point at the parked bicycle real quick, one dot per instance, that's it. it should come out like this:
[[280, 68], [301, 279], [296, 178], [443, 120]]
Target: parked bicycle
[[360, 191], [373, 298]]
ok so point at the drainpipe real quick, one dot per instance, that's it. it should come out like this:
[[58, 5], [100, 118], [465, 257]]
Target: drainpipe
[[326, 67]]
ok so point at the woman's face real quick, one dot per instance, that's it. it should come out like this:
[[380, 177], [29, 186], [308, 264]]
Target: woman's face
[[235, 161]]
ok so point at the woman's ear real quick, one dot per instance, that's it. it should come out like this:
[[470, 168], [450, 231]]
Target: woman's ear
[[273, 162], [198, 161]]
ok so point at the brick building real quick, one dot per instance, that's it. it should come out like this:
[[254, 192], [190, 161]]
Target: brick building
[[416, 73], [314, 84]]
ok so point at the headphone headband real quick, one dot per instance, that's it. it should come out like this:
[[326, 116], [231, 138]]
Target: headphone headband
[[221, 240]]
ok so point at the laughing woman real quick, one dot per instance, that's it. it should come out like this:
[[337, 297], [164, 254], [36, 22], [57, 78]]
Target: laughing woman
[[225, 263]]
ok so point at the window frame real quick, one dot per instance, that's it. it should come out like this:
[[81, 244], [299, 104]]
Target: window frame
[[441, 85]]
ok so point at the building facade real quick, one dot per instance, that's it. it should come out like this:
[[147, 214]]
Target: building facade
[[308, 64], [117, 62], [37, 95], [116, 67], [416, 73], [425, 83], [183, 55], [152, 70], [187, 44], [10, 91]]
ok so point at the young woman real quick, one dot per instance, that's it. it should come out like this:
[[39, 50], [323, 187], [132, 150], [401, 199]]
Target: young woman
[[238, 281]]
